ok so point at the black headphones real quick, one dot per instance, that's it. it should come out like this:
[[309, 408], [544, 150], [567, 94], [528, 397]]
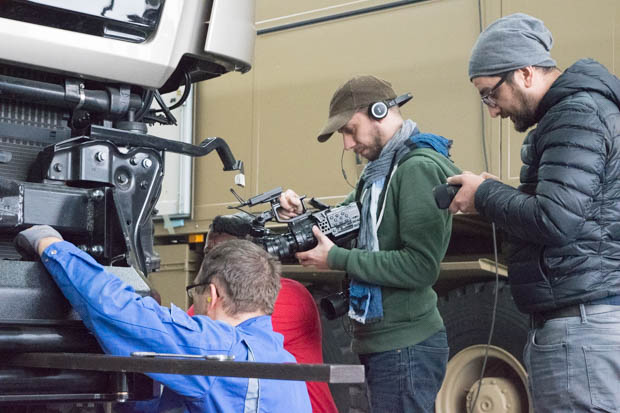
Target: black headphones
[[379, 110]]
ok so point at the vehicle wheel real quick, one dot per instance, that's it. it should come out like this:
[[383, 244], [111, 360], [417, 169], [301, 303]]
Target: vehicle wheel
[[467, 314], [349, 398]]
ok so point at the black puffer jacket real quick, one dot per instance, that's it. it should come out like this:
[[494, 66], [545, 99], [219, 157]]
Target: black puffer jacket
[[565, 217]]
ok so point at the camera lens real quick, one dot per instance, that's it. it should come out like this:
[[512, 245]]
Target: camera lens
[[334, 306], [302, 231], [283, 247]]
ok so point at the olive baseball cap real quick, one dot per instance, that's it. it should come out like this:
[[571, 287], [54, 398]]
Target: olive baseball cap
[[357, 93]]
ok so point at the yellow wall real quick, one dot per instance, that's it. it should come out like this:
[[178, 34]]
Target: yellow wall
[[271, 116]]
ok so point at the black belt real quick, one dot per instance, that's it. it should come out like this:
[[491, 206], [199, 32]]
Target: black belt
[[594, 307], [570, 311]]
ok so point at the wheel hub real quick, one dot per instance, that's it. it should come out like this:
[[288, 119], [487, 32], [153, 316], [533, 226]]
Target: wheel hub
[[503, 390], [497, 395]]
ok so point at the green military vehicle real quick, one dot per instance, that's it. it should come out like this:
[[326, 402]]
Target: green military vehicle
[[271, 116]]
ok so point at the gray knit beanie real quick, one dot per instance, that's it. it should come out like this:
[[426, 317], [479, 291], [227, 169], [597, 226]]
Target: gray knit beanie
[[510, 43]]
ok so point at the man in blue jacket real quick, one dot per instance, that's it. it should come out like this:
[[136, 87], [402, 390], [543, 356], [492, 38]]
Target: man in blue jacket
[[234, 293], [564, 219]]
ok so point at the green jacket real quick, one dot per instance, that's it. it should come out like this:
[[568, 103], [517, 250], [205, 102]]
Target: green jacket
[[413, 238]]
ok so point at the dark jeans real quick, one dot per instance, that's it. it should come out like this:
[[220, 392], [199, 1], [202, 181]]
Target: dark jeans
[[407, 379]]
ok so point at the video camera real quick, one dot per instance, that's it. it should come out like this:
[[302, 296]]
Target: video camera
[[340, 224], [444, 194]]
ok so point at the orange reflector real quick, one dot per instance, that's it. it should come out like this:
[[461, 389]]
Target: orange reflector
[[196, 238]]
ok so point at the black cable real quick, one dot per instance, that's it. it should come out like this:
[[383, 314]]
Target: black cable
[[344, 174], [107, 8], [496, 293], [147, 99], [347, 326], [169, 116], [186, 90], [159, 119]]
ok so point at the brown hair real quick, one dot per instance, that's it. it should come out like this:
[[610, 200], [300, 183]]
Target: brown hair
[[245, 275]]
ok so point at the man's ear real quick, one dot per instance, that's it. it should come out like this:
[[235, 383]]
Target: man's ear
[[212, 296], [526, 75]]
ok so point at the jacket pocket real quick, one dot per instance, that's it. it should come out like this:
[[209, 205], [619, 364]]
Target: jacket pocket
[[528, 282]]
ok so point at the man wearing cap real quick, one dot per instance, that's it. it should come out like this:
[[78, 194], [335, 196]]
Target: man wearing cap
[[564, 218], [403, 237]]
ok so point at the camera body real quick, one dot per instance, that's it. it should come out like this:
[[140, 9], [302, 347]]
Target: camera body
[[340, 224]]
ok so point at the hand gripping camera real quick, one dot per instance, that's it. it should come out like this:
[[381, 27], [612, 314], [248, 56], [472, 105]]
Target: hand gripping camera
[[340, 224], [444, 194]]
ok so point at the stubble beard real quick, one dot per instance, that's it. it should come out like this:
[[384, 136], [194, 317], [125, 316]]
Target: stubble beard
[[525, 116], [374, 149]]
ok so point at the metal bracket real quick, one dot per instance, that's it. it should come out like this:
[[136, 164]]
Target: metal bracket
[[135, 139], [135, 176]]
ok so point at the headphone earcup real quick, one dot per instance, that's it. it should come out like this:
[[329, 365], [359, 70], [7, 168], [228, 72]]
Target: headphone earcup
[[378, 110]]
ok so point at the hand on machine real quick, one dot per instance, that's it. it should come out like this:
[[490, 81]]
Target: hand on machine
[[28, 241]]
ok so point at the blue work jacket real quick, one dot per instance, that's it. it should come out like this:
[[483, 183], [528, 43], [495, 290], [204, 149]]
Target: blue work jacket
[[124, 322]]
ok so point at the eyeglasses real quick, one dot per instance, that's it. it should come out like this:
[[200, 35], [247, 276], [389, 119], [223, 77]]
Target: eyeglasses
[[487, 98], [190, 288]]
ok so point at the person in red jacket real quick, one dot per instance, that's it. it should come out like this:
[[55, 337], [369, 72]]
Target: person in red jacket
[[295, 314]]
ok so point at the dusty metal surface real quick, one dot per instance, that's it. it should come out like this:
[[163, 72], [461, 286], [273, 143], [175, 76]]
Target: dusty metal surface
[[331, 373], [29, 294]]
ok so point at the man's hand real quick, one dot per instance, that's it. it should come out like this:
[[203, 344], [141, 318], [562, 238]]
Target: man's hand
[[318, 255], [290, 205], [465, 197], [486, 175], [33, 241]]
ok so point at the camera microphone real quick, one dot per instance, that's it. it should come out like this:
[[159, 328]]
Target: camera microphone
[[444, 194]]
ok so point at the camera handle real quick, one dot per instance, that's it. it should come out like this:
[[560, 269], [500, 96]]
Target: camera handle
[[275, 205], [318, 204], [273, 197]]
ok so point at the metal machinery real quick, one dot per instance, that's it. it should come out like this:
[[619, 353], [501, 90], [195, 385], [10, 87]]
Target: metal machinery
[[77, 80]]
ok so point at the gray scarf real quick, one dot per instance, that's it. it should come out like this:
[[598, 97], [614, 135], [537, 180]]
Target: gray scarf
[[376, 170]]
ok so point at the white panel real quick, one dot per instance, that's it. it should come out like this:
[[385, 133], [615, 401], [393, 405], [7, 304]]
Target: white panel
[[175, 198], [231, 31]]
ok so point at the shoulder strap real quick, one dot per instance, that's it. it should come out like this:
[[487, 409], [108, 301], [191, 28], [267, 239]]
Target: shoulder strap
[[412, 147], [360, 185], [386, 182]]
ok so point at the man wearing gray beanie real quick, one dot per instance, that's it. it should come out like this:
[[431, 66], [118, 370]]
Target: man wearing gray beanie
[[563, 221]]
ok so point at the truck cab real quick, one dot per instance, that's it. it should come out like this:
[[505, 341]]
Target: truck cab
[[79, 83]]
